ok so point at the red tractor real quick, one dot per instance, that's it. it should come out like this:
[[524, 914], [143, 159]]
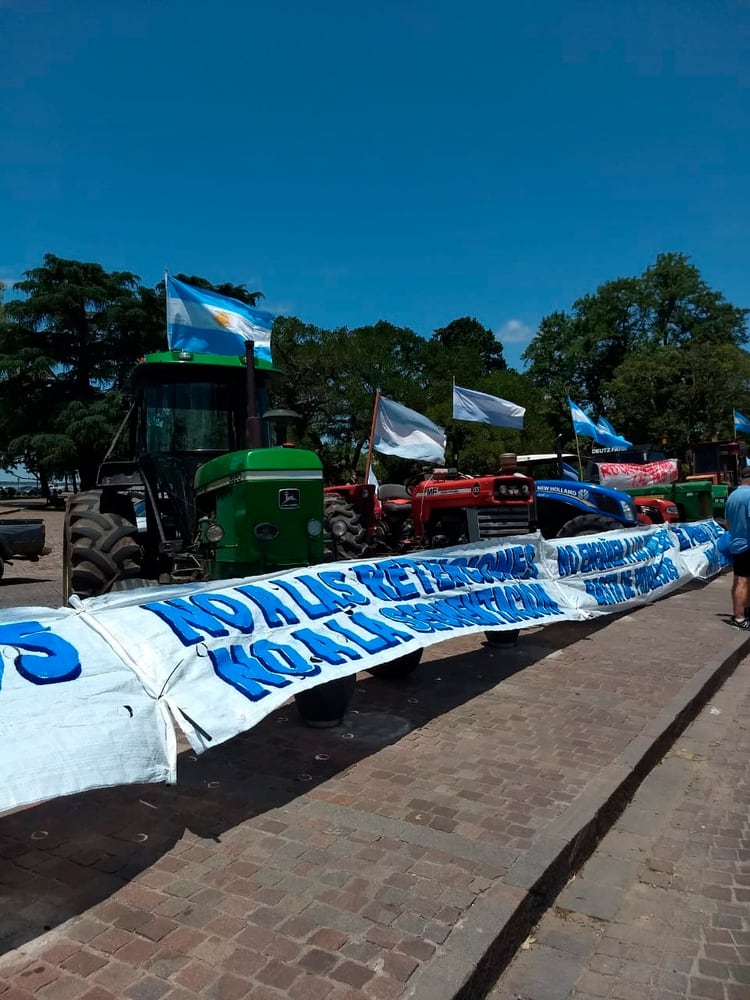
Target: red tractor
[[435, 510]]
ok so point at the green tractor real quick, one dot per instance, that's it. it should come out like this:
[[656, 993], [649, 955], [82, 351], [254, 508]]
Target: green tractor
[[194, 489], [191, 489]]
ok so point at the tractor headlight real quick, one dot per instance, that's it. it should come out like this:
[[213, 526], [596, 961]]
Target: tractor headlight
[[525, 490], [628, 510], [314, 527], [338, 529], [265, 532], [502, 490], [214, 533]]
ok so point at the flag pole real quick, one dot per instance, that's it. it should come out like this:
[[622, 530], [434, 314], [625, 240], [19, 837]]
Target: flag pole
[[368, 462], [166, 304], [578, 452]]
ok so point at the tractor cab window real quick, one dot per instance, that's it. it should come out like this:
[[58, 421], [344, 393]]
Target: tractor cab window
[[195, 416]]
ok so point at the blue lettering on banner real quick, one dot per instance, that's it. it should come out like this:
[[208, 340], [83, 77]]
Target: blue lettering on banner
[[330, 600], [602, 554], [337, 581], [374, 579], [273, 609], [188, 622], [692, 535], [320, 645], [43, 658], [227, 609], [617, 588], [264, 665], [489, 607], [388, 579], [385, 637]]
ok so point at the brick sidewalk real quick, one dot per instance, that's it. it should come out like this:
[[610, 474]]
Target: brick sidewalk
[[379, 860], [660, 912]]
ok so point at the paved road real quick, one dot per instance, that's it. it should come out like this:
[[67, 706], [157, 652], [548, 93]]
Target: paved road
[[662, 909], [402, 855]]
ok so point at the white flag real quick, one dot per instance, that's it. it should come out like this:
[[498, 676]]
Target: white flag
[[406, 433], [484, 409]]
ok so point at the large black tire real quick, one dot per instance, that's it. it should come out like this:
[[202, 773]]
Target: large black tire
[[353, 543], [588, 524], [325, 706], [99, 549], [403, 666]]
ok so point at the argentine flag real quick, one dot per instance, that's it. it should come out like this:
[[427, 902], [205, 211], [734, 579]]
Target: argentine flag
[[608, 437], [582, 425], [741, 423], [406, 433], [208, 323], [468, 404]]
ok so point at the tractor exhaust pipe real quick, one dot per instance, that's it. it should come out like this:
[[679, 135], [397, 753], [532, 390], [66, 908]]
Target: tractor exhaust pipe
[[253, 434]]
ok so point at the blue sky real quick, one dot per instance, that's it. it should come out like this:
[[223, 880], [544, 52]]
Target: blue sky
[[413, 161]]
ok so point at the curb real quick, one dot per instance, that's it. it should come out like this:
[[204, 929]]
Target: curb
[[482, 944]]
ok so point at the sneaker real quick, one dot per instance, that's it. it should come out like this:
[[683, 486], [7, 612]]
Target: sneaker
[[743, 623]]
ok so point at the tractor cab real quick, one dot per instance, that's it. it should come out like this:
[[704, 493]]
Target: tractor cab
[[215, 499]]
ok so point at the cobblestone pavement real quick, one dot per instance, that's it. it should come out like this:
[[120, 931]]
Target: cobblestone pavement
[[662, 909], [379, 860]]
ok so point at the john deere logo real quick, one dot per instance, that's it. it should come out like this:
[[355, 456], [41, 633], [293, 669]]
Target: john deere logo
[[288, 499]]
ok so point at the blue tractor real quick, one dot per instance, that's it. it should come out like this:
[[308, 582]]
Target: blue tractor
[[568, 507]]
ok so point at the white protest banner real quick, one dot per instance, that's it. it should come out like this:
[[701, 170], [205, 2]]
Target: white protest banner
[[624, 475], [101, 682], [73, 715]]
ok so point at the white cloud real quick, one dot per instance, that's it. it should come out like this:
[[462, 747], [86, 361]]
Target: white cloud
[[513, 331]]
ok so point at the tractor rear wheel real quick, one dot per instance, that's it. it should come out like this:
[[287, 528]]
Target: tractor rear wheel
[[350, 542], [99, 548], [588, 524]]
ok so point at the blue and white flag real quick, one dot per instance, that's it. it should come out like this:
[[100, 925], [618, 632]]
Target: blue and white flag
[[468, 404], [741, 423], [570, 472], [582, 424], [406, 433], [608, 437], [208, 323]]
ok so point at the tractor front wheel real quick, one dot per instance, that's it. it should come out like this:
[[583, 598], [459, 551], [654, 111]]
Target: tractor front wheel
[[100, 549], [588, 524], [346, 536]]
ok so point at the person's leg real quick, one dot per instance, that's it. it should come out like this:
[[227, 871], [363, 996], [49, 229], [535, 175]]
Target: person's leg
[[741, 585], [740, 595]]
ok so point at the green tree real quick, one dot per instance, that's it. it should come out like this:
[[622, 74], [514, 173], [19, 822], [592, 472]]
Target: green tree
[[680, 395], [609, 334], [331, 378], [72, 336], [463, 350], [88, 320]]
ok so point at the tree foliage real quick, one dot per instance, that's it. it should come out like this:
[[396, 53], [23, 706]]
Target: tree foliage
[[666, 331], [661, 355]]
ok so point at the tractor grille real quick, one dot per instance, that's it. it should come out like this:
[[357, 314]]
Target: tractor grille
[[498, 522]]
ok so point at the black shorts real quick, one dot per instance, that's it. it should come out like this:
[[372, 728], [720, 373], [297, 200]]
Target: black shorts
[[741, 563]]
